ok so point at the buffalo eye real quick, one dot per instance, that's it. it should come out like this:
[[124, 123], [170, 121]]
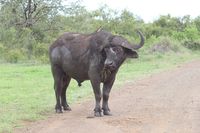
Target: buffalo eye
[[116, 50]]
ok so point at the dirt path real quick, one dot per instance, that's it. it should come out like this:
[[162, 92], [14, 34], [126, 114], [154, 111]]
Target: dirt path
[[168, 102]]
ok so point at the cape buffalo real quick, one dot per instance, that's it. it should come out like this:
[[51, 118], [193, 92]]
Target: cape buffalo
[[95, 57]]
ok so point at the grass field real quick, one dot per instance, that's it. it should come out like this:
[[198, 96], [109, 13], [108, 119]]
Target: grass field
[[26, 91]]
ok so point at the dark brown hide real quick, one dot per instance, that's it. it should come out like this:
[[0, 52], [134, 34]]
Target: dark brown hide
[[95, 57]]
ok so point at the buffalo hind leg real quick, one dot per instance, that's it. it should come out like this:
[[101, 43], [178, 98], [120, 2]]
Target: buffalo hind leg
[[66, 81], [58, 82]]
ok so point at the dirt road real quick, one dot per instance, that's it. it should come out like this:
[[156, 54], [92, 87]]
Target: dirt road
[[168, 102]]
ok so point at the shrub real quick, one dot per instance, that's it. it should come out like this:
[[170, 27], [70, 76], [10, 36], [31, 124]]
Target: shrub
[[2, 49], [41, 52], [166, 44], [13, 56], [193, 45], [41, 49]]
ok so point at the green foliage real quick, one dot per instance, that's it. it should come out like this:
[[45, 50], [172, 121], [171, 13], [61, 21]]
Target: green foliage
[[197, 23], [14, 55], [41, 52], [32, 31], [2, 49], [41, 49], [165, 44], [191, 33], [189, 37], [193, 45]]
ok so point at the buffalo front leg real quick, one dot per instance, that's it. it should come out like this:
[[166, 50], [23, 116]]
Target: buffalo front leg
[[106, 91], [97, 94], [95, 81]]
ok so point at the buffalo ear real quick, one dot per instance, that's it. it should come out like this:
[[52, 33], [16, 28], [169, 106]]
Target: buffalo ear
[[131, 53]]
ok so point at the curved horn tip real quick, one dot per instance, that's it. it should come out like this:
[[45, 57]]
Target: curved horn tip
[[141, 41], [139, 32]]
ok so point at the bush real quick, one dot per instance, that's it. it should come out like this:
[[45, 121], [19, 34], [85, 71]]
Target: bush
[[13, 56], [41, 49], [193, 45], [166, 44], [43, 59], [41, 52], [2, 50]]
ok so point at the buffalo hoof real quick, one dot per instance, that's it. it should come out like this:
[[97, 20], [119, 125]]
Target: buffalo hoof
[[59, 111], [98, 114], [67, 108], [107, 113]]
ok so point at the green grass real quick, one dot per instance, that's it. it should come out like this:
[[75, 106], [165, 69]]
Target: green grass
[[26, 91]]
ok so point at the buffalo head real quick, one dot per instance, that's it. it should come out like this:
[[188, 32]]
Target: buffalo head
[[116, 49]]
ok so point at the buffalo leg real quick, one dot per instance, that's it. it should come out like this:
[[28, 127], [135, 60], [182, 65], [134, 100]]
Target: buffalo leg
[[95, 81], [58, 82], [97, 94], [66, 81], [106, 91]]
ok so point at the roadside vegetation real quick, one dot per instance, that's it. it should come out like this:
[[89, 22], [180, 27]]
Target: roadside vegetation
[[29, 27]]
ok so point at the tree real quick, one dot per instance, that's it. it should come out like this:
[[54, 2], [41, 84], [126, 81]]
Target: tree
[[25, 24], [197, 22], [26, 13]]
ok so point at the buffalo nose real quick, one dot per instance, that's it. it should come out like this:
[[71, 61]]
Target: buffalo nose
[[109, 63]]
